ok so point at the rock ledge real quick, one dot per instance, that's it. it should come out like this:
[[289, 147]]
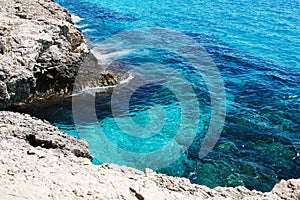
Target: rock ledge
[[62, 170]]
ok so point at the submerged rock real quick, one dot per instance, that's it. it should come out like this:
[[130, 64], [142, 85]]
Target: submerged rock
[[37, 161]]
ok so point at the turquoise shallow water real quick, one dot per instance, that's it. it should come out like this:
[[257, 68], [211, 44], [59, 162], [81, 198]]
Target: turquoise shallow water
[[255, 46]]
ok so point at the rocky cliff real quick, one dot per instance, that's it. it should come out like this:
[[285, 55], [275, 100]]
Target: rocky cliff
[[40, 49], [40, 53], [37, 161]]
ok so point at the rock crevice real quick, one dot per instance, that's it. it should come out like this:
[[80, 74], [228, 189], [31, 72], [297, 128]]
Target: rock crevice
[[38, 133]]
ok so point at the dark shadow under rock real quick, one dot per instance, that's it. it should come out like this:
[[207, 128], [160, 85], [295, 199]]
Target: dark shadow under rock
[[40, 133]]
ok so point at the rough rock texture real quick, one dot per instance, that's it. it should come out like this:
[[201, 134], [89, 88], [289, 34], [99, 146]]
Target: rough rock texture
[[40, 133], [40, 52], [31, 171], [40, 49]]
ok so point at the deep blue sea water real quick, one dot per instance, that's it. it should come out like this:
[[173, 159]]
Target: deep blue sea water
[[255, 45]]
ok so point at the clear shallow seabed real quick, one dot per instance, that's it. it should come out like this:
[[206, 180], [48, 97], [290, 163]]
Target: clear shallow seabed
[[256, 47]]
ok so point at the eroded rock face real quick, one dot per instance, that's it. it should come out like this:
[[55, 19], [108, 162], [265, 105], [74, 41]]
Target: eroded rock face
[[40, 49], [38, 133], [37, 161]]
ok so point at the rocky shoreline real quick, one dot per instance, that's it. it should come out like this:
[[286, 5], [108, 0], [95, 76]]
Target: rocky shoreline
[[38, 161], [40, 53]]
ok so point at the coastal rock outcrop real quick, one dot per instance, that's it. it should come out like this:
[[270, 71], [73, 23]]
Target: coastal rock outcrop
[[39, 133], [40, 51], [56, 166]]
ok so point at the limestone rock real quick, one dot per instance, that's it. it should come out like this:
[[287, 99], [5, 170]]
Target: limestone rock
[[38, 133], [40, 49], [30, 170]]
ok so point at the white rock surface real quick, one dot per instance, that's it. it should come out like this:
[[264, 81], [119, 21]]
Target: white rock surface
[[28, 172]]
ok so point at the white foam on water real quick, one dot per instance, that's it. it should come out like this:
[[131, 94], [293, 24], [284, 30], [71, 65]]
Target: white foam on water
[[107, 58], [104, 59], [82, 26], [76, 18], [86, 30], [94, 90]]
